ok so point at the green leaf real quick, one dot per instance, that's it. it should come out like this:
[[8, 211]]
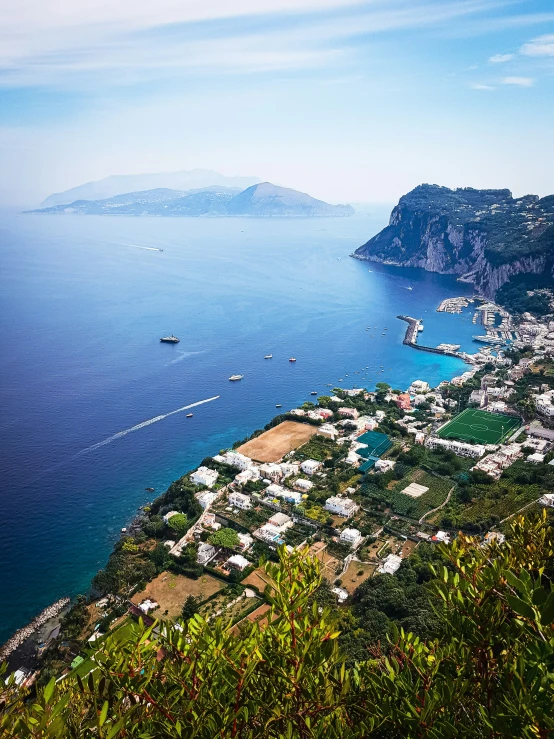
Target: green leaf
[[547, 611], [520, 607], [103, 714], [49, 690]]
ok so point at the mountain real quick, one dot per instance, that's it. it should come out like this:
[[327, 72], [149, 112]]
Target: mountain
[[121, 184], [262, 199], [487, 237]]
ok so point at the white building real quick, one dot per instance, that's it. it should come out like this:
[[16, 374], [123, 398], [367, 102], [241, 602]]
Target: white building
[[341, 594], [547, 500], [304, 485], [239, 500], [535, 458], [277, 491], [205, 499], [237, 562], [419, 386], [206, 552], [459, 448], [252, 473], [351, 536], [271, 471], [441, 536], [234, 459], [341, 506], [383, 465], [281, 521], [328, 431], [390, 564], [204, 476], [168, 515], [245, 541], [494, 536], [309, 466], [288, 469]]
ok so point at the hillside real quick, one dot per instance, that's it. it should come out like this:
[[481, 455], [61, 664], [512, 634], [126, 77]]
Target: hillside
[[121, 184], [261, 200], [485, 236]]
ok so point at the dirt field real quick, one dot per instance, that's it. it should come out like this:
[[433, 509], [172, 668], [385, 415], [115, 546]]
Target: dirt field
[[329, 563], [408, 548], [171, 591], [272, 445], [256, 579], [351, 580]]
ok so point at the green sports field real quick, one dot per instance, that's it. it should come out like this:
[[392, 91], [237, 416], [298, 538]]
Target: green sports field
[[480, 427]]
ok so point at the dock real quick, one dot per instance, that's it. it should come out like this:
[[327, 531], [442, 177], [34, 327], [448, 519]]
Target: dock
[[410, 339]]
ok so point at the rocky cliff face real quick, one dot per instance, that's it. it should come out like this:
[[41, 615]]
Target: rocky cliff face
[[485, 236]]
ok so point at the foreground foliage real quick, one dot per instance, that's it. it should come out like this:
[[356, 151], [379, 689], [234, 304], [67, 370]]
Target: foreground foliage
[[491, 673]]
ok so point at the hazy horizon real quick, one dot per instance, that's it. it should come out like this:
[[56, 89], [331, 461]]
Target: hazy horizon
[[347, 100]]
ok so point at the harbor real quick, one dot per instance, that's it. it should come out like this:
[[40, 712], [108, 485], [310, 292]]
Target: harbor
[[410, 339]]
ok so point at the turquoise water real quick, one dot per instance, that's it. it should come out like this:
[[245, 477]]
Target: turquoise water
[[82, 312]]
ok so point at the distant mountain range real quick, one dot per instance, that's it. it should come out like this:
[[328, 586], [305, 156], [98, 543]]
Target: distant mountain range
[[487, 237], [262, 199], [193, 179]]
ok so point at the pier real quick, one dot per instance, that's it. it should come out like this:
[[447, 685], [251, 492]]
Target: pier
[[410, 339]]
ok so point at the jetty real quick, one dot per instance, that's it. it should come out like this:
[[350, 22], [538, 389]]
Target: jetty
[[410, 339], [23, 634]]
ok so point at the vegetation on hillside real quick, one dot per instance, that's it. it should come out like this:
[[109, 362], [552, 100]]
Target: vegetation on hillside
[[486, 673]]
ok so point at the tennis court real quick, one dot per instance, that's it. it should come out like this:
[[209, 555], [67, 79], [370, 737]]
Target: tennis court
[[480, 427]]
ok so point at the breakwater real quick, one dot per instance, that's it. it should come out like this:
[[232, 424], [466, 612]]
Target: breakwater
[[410, 339], [23, 634]]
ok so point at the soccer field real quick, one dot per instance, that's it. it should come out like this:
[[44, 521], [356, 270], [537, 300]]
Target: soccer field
[[480, 427]]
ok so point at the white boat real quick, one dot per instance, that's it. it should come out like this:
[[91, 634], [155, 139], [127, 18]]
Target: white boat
[[409, 288], [234, 378], [268, 356]]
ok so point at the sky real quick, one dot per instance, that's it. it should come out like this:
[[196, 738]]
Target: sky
[[349, 100]]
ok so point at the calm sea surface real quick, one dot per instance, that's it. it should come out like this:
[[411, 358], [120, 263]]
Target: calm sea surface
[[82, 310]]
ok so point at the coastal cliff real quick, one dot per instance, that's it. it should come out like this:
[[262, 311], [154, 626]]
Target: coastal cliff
[[485, 236]]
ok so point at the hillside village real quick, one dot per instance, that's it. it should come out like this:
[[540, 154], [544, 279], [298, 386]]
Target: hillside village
[[365, 480]]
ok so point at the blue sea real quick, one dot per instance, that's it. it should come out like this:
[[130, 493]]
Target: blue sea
[[83, 303]]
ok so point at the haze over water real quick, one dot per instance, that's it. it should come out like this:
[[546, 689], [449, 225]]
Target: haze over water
[[83, 310]]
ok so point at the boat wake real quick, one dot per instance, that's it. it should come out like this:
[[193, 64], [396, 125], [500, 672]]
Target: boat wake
[[136, 246], [121, 434]]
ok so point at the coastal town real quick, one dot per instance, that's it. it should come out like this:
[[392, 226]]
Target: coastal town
[[361, 479]]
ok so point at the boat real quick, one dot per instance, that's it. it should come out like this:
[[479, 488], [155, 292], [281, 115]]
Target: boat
[[313, 392], [170, 339], [409, 288], [292, 359], [268, 356], [278, 405], [189, 415], [150, 490], [234, 378]]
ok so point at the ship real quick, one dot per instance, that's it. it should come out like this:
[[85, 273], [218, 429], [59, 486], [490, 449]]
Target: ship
[[234, 378], [292, 359], [170, 339], [268, 356], [278, 405], [189, 415]]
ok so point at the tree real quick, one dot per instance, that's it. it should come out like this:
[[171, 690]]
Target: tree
[[190, 607], [225, 537], [179, 523], [488, 675]]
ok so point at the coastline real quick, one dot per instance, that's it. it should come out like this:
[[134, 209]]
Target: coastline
[[24, 641]]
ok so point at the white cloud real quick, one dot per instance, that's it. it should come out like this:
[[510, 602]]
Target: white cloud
[[540, 46], [479, 86], [500, 58], [70, 45], [519, 81]]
